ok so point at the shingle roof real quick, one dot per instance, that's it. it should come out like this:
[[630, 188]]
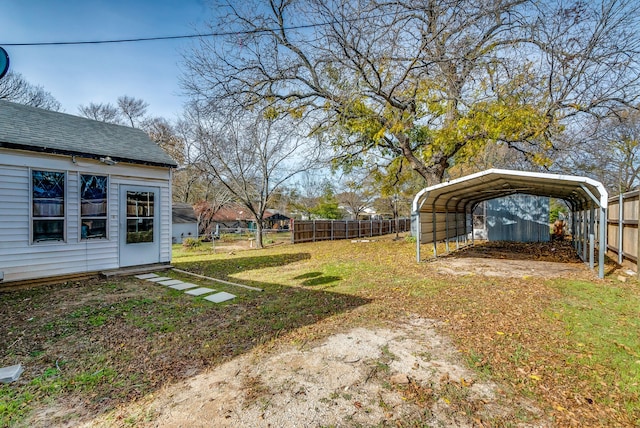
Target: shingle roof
[[30, 128], [183, 213], [233, 213], [237, 212]]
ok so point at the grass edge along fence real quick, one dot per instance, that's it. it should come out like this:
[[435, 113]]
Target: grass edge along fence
[[330, 230]]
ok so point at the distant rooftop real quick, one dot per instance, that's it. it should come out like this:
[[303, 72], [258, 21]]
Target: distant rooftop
[[183, 213], [33, 129]]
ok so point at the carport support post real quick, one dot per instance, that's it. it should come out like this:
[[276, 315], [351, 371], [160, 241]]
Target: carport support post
[[603, 242], [592, 237], [473, 239], [620, 226], [585, 234], [580, 225], [415, 218], [433, 221], [457, 233], [574, 229], [446, 227]]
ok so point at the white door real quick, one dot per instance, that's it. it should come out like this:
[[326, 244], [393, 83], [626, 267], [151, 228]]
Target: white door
[[139, 225]]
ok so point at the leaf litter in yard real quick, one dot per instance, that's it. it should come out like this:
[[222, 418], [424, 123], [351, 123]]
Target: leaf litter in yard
[[514, 259], [99, 345], [346, 379]]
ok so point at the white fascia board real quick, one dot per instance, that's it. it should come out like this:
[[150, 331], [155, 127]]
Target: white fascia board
[[505, 173]]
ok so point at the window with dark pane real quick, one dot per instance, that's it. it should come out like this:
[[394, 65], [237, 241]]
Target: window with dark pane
[[140, 217], [93, 206], [47, 209]]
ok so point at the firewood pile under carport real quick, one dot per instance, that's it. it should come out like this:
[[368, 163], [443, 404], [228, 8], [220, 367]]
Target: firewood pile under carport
[[554, 251]]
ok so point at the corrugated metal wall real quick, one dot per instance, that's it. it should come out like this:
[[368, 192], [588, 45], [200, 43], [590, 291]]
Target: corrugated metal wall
[[518, 218]]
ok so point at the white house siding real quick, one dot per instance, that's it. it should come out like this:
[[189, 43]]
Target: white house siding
[[181, 231], [165, 232], [20, 259], [72, 208], [155, 180], [13, 203]]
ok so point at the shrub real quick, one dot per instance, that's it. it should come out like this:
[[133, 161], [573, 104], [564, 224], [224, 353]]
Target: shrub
[[190, 243]]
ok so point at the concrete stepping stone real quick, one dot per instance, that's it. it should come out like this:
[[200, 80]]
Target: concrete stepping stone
[[11, 373], [159, 278], [220, 297], [147, 276], [184, 286], [199, 291], [170, 282]]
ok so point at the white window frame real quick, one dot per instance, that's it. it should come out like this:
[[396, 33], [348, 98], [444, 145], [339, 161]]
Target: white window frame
[[81, 217], [32, 218]]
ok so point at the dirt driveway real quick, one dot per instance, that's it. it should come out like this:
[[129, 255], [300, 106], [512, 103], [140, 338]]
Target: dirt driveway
[[364, 377]]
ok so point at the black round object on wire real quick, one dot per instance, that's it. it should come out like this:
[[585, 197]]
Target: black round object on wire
[[4, 62]]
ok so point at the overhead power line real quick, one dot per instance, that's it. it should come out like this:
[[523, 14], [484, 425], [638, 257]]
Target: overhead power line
[[186, 36]]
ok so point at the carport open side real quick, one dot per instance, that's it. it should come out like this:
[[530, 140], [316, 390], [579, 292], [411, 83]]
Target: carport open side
[[441, 212]]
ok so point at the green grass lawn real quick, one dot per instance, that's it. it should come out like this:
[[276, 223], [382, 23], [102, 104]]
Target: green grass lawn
[[572, 346]]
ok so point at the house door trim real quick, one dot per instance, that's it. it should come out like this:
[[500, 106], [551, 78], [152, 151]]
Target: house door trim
[[139, 227]]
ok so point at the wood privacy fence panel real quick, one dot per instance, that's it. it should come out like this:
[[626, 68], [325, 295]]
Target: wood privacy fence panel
[[623, 234], [325, 230]]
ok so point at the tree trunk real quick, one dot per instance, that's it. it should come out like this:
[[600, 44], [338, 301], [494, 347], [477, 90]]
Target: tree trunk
[[432, 174], [259, 243], [396, 219]]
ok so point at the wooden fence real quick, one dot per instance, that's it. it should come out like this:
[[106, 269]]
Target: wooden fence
[[324, 230], [623, 233]]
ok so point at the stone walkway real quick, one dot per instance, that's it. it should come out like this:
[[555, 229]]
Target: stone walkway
[[192, 289]]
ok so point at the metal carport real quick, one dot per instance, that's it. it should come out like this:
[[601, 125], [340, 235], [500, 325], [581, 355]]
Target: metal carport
[[441, 212]]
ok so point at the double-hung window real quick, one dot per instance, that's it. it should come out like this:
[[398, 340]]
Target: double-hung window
[[48, 208], [93, 206]]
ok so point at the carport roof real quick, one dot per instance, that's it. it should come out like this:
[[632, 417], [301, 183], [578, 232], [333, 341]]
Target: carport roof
[[462, 194]]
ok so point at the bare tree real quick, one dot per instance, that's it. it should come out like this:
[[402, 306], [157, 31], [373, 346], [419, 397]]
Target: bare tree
[[102, 112], [207, 208], [429, 81], [128, 110], [606, 149], [251, 156], [305, 194], [132, 110], [14, 87], [357, 196], [166, 136]]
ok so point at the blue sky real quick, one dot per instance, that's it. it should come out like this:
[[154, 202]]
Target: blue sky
[[77, 75]]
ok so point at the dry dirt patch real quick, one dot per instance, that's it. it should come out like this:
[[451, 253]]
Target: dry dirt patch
[[515, 260], [396, 376]]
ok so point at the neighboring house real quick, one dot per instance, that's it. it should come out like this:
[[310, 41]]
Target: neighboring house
[[185, 223], [232, 217], [237, 217], [366, 213], [79, 196], [276, 220]]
